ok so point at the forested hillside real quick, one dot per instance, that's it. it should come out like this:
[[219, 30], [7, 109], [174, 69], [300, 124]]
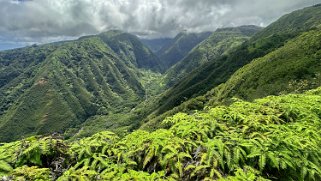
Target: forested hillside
[[53, 87], [295, 67], [275, 138], [156, 44], [220, 43], [179, 47], [130, 48], [220, 69], [241, 103]]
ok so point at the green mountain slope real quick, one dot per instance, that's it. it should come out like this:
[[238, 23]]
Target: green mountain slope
[[54, 87], [99, 83], [130, 48], [221, 42], [275, 138], [294, 67], [179, 47], [218, 71], [156, 44], [223, 39]]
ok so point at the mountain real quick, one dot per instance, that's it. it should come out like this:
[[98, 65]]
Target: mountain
[[156, 44], [50, 88], [294, 67], [250, 109], [131, 49], [222, 40], [219, 70], [220, 43], [179, 47]]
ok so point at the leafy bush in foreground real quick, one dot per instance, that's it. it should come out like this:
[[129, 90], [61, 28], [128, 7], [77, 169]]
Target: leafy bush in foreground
[[275, 138]]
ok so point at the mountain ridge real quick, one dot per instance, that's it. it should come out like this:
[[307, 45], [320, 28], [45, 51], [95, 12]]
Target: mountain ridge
[[72, 81], [198, 82], [216, 72], [219, 43], [179, 47]]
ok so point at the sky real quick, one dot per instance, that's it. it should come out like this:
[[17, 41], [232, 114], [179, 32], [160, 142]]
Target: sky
[[26, 22]]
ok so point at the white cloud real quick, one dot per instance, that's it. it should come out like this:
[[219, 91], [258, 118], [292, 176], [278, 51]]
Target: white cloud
[[45, 20]]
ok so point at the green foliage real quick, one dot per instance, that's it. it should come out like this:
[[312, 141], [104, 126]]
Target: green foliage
[[248, 174], [4, 167], [31, 173], [152, 82], [97, 79], [34, 158], [8, 154], [41, 152], [274, 138]]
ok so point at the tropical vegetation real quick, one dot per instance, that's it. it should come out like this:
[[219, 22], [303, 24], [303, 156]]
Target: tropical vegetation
[[241, 103], [274, 138]]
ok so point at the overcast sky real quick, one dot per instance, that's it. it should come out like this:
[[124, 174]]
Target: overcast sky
[[25, 22]]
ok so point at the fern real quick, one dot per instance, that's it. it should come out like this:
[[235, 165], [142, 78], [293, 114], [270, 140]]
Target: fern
[[5, 167], [243, 141]]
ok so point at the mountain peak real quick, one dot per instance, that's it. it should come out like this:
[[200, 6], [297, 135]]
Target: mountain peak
[[111, 33]]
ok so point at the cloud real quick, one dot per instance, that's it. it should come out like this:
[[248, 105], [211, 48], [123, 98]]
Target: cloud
[[47, 20]]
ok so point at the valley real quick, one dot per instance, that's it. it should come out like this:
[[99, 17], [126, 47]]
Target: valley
[[238, 103]]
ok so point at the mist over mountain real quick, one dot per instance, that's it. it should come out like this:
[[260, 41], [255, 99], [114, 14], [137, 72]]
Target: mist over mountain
[[43, 21]]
